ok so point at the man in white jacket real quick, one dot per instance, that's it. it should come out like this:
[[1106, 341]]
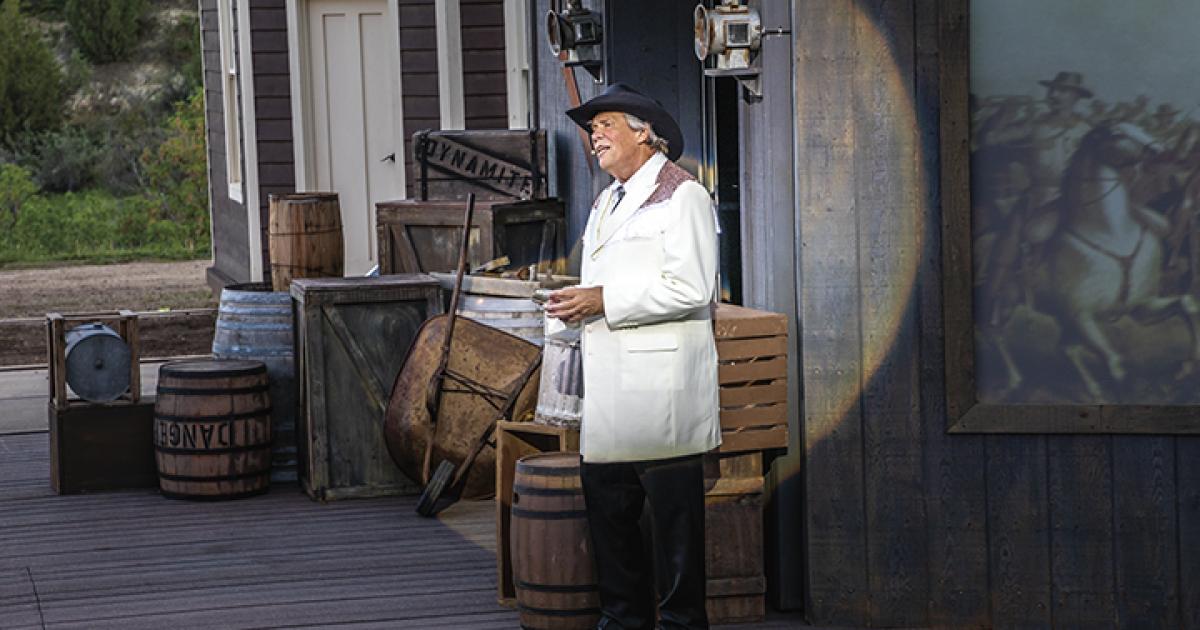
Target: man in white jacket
[[650, 408]]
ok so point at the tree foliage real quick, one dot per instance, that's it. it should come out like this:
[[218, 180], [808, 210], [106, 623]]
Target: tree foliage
[[106, 30], [177, 174], [31, 81]]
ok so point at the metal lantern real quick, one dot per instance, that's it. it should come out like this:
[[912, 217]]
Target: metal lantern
[[731, 32], [574, 35]]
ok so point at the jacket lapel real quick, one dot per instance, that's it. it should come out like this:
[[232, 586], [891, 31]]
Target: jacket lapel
[[630, 207]]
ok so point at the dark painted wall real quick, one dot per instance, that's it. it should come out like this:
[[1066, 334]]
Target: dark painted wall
[[905, 524], [231, 262], [272, 111]]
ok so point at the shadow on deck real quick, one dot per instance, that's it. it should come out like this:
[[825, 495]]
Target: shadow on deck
[[134, 559]]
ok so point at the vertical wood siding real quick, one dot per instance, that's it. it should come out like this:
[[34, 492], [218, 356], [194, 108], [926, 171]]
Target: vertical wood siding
[[231, 262], [419, 73], [272, 111], [907, 525], [485, 87]]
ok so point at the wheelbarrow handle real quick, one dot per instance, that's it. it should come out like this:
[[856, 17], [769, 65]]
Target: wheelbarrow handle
[[433, 394]]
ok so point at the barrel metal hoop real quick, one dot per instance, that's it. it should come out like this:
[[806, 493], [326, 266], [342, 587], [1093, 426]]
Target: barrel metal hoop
[[248, 415], [524, 467], [184, 391], [167, 450], [577, 612], [556, 588], [214, 497], [538, 515], [535, 491], [246, 475], [177, 373]]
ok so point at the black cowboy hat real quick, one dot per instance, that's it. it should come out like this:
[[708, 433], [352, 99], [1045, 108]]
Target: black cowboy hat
[[1068, 81], [619, 97]]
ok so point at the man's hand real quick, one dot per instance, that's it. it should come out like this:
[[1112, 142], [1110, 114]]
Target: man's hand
[[576, 304]]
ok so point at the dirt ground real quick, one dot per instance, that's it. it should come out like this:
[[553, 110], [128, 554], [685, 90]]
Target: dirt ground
[[139, 286]]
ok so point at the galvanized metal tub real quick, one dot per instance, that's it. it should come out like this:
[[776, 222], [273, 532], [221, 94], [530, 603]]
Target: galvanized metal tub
[[255, 323], [520, 317]]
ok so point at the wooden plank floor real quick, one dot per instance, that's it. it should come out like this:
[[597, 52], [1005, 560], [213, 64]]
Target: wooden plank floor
[[134, 559]]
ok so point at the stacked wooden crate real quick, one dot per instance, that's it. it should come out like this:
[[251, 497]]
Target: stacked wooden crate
[[752, 349]]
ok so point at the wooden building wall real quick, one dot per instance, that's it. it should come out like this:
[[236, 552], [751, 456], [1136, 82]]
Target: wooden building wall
[[905, 524], [272, 111], [230, 244], [485, 87], [419, 74], [485, 102]]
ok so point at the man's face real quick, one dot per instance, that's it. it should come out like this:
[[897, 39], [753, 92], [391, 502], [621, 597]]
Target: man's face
[[617, 146], [1062, 99]]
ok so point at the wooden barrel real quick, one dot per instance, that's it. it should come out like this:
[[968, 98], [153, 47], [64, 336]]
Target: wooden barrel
[[551, 551], [212, 429], [521, 317], [305, 236], [255, 323]]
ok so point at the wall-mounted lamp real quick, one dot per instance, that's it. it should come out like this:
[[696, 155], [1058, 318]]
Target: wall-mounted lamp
[[732, 32], [574, 35]]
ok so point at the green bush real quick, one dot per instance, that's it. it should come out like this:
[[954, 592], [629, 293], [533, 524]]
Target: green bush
[[177, 175], [16, 189], [44, 8], [106, 30], [61, 160], [31, 82], [93, 226]]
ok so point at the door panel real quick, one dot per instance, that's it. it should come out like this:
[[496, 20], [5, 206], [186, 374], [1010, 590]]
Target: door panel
[[355, 112]]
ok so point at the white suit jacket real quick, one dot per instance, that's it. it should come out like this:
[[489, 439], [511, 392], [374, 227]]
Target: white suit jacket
[[650, 363]]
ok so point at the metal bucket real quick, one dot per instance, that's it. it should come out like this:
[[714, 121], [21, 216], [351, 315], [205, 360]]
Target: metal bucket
[[560, 393], [516, 316], [97, 362], [255, 323]]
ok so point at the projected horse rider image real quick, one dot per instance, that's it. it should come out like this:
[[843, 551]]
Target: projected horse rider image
[[1085, 251]]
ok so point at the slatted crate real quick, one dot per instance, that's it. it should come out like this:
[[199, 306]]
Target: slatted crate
[[752, 349]]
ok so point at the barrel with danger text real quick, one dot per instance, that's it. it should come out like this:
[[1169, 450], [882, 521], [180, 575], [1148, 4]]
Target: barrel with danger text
[[212, 429]]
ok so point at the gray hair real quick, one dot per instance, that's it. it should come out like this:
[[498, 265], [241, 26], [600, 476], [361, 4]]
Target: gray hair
[[655, 142]]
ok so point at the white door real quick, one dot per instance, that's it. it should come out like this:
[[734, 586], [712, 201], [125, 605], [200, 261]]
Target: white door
[[356, 142]]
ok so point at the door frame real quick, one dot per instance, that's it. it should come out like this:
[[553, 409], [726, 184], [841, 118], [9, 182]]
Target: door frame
[[299, 60]]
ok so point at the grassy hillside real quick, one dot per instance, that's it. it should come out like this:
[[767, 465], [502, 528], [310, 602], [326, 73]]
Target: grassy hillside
[[101, 145]]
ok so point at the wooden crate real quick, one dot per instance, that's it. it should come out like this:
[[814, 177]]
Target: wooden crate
[[352, 335], [424, 236], [733, 519], [752, 349], [124, 323], [733, 532], [97, 447], [503, 164]]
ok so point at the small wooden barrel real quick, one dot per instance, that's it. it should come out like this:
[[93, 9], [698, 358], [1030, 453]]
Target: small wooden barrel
[[212, 429], [305, 234], [551, 550], [560, 393]]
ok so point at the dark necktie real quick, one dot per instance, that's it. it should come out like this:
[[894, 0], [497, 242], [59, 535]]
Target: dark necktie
[[618, 194]]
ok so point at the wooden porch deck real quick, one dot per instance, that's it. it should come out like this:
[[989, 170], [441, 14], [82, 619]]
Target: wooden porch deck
[[134, 559]]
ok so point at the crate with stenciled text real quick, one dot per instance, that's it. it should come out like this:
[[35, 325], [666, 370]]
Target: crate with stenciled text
[[494, 164]]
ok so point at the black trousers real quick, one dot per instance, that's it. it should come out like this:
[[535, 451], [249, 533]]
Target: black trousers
[[615, 495]]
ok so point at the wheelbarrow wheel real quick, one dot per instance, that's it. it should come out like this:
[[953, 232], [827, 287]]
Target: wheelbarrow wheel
[[426, 505]]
